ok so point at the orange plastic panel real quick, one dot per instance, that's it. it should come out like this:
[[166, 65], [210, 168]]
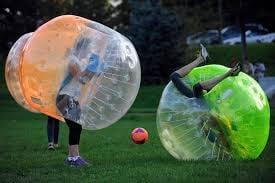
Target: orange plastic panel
[[12, 72]]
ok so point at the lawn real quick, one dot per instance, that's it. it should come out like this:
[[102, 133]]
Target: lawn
[[113, 157]]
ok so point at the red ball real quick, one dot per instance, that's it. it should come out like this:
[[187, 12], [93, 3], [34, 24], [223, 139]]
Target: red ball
[[139, 135]]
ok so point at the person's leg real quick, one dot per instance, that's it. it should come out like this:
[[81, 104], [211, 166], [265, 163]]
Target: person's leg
[[180, 85], [187, 68], [209, 84], [74, 158], [175, 77], [50, 131], [74, 137], [56, 132], [198, 90], [202, 56]]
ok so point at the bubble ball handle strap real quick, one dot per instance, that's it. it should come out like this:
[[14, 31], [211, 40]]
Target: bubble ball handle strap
[[94, 62], [91, 69]]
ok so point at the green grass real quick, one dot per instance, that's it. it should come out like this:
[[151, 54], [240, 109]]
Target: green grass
[[113, 157], [147, 99]]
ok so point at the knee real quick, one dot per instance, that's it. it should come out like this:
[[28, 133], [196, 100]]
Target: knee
[[78, 127], [197, 87], [73, 125], [174, 76], [198, 90]]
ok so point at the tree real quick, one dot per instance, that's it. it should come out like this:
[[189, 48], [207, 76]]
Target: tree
[[196, 15], [155, 32], [245, 62], [120, 17], [96, 10], [19, 17]]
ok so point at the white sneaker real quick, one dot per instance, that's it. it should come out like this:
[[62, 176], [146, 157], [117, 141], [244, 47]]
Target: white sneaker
[[204, 52], [51, 146]]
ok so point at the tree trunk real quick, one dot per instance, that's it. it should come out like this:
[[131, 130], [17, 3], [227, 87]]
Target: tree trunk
[[220, 20], [245, 63]]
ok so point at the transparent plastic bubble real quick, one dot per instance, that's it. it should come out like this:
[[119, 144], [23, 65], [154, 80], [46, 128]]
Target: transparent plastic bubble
[[12, 72], [229, 122], [81, 70]]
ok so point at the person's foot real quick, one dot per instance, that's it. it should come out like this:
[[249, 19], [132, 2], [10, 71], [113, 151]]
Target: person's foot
[[234, 71], [76, 162], [55, 146], [203, 53], [51, 146]]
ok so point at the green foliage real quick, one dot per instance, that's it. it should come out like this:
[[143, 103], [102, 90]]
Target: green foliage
[[120, 17], [219, 54], [99, 11], [197, 16], [24, 16], [224, 54], [154, 32]]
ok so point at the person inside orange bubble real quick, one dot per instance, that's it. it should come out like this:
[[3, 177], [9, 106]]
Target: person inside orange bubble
[[83, 65]]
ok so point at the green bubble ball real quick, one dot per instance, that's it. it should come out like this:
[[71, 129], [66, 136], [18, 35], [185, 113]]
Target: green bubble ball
[[231, 121]]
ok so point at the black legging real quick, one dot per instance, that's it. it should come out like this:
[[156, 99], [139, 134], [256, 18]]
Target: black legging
[[74, 132], [53, 130], [184, 89]]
